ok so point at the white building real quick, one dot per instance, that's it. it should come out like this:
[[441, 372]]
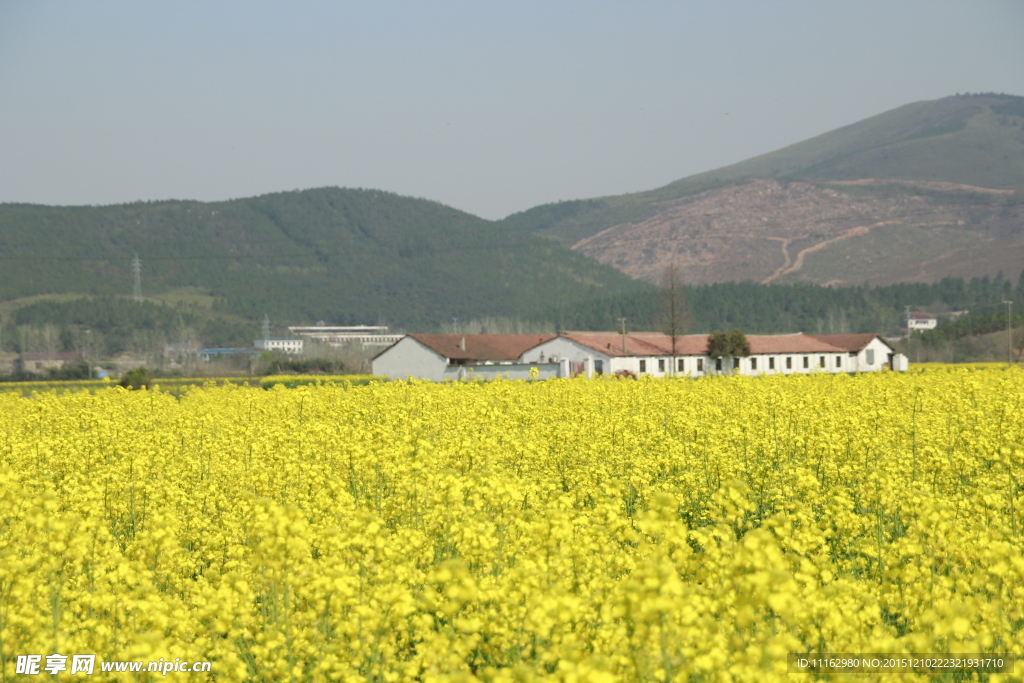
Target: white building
[[439, 357], [365, 335], [866, 352], [918, 322], [650, 353], [290, 346], [451, 356], [590, 353]]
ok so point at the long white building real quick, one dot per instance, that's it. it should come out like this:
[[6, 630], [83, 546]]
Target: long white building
[[569, 354], [365, 335]]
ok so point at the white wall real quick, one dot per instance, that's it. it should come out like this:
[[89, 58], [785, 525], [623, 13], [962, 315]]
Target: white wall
[[409, 358], [562, 348], [559, 349], [765, 362], [652, 368], [501, 371], [881, 357]]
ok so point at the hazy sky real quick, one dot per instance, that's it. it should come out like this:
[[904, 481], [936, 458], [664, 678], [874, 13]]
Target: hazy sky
[[491, 107]]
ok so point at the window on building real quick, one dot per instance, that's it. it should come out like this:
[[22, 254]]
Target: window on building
[[643, 366], [870, 356], [599, 367], [839, 361], [718, 364], [681, 366], [700, 365], [771, 363], [789, 362], [821, 362], [735, 363], [661, 365], [807, 362], [753, 364]]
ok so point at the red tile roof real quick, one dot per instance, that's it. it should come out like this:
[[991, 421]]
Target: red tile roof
[[789, 343], [640, 343], [482, 347], [658, 344], [848, 342]]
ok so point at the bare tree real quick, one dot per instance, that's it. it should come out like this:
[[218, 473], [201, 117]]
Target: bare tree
[[49, 337], [673, 317]]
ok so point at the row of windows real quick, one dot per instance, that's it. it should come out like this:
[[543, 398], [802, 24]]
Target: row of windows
[[681, 363]]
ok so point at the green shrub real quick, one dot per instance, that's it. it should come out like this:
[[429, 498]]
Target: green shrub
[[136, 379]]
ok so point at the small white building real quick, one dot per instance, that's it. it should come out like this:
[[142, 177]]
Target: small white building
[[292, 347], [440, 357], [866, 352], [918, 322]]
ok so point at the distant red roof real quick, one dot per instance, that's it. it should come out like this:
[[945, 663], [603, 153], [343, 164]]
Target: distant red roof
[[658, 344], [848, 342], [789, 343], [640, 343], [482, 347]]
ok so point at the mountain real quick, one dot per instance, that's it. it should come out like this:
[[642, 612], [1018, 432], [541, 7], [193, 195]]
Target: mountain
[[339, 255], [967, 139], [926, 191], [923, 193]]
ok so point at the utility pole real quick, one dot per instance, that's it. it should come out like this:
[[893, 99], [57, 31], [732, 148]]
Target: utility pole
[[622, 329], [137, 272], [910, 335], [1009, 335]]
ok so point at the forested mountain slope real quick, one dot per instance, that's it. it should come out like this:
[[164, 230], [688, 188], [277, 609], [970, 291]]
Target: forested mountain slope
[[926, 191], [344, 256]]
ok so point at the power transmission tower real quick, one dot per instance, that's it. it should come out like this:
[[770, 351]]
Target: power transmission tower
[[266, 326], [137, 272], [1009, 335], [622, 329]]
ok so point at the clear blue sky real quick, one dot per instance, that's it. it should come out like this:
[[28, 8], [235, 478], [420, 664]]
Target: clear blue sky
[[491, 107]]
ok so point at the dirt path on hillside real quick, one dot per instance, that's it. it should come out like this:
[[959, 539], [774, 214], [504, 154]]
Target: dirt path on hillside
[[938, 185], [798, 262], [786, 241]]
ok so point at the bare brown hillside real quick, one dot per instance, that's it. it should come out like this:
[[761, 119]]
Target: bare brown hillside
[[875, 230]]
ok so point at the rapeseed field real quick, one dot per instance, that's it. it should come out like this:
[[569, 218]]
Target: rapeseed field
[[570, 530]]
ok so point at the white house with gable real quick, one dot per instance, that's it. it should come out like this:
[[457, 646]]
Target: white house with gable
[[865, 352], [440, 357]]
